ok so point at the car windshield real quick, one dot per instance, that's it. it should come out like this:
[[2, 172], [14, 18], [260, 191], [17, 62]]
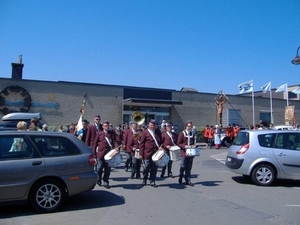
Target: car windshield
[[241, 139]]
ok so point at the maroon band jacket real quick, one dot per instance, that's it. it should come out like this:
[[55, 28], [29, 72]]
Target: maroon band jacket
[[102, 144]]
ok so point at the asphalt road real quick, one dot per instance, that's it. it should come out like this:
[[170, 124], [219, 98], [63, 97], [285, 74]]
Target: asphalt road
[[218, 197]]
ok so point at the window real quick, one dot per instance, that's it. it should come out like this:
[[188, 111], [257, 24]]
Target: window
[[266, 140], [15, 147], [55, 146], [290, 141], [241, 139]]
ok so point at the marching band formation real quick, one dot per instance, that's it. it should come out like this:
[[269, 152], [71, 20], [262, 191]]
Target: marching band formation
[[146, 147]]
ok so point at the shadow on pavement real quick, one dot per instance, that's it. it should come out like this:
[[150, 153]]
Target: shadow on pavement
[[277, 183], [89, 200]]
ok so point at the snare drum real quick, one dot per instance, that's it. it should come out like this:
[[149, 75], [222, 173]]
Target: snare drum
[[113, 158], [191, 152], [160, 158], [137, 153], [175, 153]]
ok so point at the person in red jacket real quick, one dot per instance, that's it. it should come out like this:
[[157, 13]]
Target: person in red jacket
[[136, 162], [127, 142], [150, 143], [211, 134], [205, 133], [186, 139], [168, 139], [105, 141], [92, 131]]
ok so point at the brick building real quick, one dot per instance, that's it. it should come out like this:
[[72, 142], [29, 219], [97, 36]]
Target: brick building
[[59, 102]]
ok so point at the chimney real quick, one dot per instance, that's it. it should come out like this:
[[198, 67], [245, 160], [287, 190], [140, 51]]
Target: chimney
[[17, 69]]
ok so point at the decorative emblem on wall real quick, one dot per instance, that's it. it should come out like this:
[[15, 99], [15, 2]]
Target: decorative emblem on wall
[[14, 99]]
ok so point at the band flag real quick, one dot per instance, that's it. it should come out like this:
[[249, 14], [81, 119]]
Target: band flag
[[281, 88], [246, 87], [266, 87]]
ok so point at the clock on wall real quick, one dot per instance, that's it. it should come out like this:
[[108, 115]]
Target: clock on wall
[[14, 99]]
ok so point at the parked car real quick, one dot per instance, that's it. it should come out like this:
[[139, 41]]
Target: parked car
[[265, 155], [44, 168]]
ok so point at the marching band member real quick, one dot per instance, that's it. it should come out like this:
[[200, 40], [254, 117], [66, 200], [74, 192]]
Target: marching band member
[[127, 142], [185, 140], [92, 131], [168, 140], [104, 142], [136, 162], [150, 143]]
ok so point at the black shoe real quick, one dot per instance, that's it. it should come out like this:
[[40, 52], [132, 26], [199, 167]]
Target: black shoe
[[138, 177], [132, 177], [144, 182], [153, 185], [106, 185], [162, 176], [126, 169], [171, 175], [99, 183], [180, 180], [189, 183]]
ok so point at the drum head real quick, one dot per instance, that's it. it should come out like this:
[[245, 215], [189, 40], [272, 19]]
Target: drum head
[[174, 148], [110, 154], [158, 155]]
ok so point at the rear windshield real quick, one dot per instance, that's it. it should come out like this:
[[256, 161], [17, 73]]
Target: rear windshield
[[241, 139]]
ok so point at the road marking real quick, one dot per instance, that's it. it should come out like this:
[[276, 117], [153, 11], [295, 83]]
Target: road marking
[[293, 205], [220, 157]]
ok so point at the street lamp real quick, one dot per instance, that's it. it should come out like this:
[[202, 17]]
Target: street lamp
[[296, 60]]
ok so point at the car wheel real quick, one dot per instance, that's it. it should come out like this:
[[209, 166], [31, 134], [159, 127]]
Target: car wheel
[[263, 175], [47, 195]]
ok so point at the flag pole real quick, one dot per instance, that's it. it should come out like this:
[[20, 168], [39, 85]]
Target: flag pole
[[271, 104], [253, 104], [287, 96]]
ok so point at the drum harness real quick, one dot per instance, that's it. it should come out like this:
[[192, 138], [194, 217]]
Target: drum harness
[[170, 135], [188, 136]]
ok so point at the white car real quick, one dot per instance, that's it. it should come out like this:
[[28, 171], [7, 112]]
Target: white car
[[283, 127], [265, 155]]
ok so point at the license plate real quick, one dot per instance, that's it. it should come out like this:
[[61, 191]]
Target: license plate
[[228, 159]]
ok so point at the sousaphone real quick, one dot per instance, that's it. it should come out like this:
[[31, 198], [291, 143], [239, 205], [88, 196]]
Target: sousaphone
[[138, 117]]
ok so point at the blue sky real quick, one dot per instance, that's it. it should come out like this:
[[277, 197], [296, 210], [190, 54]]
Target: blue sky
[[208, 45]]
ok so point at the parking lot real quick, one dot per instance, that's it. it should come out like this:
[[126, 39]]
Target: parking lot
[[218, 197]]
